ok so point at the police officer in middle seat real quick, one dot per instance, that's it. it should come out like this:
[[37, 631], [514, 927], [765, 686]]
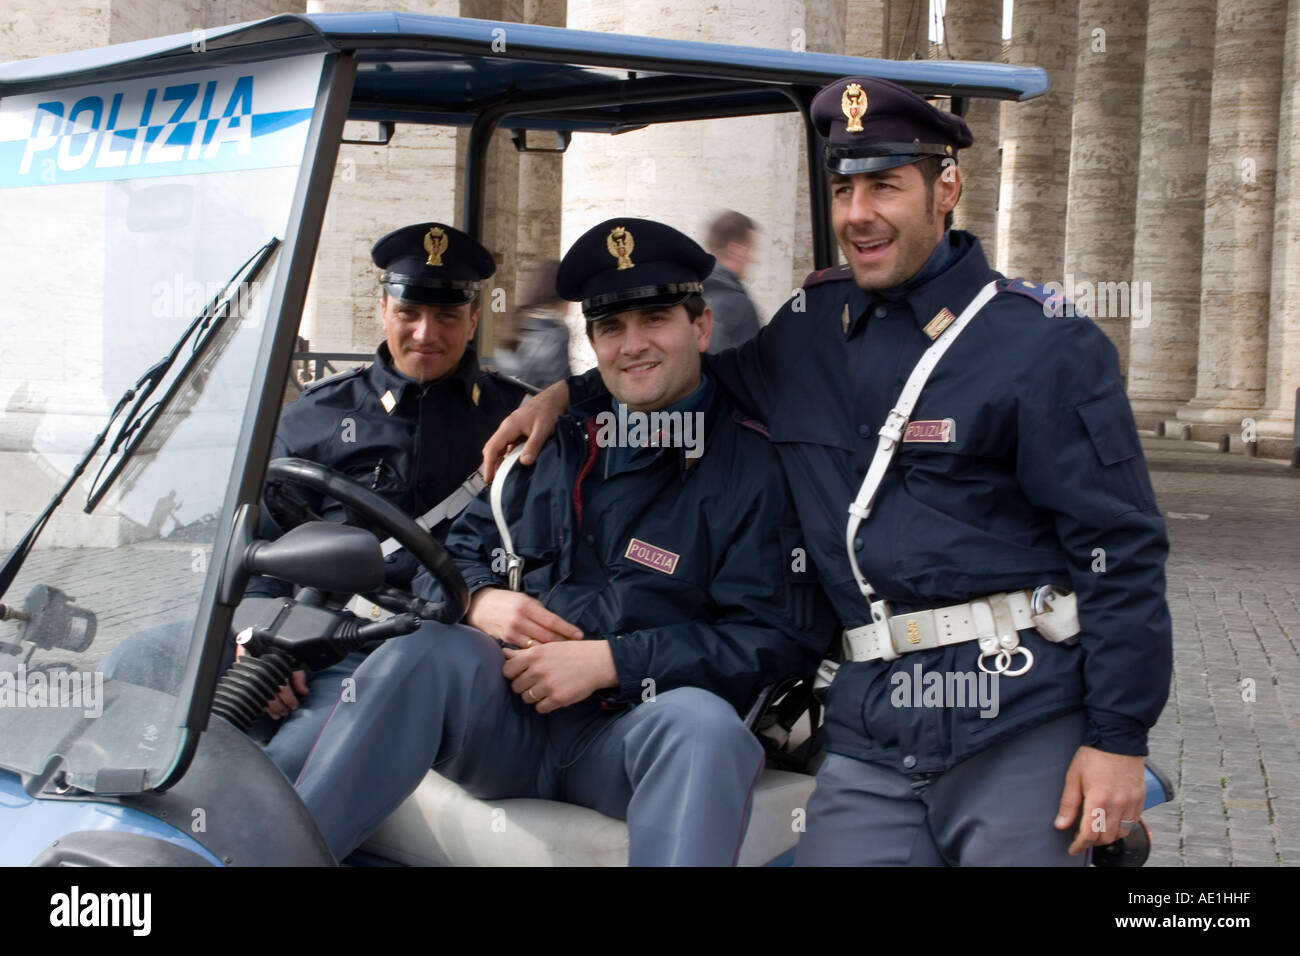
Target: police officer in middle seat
[[658, 596], [408, 426]]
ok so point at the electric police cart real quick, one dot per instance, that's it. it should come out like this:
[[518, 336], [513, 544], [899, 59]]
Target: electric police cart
[[162, 202]]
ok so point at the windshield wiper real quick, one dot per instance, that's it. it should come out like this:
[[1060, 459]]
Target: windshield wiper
[[135, 427]]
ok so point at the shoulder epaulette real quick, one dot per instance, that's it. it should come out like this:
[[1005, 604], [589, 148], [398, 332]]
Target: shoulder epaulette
[[753, 424], [1046, 295], [833, 274], [335, 378]]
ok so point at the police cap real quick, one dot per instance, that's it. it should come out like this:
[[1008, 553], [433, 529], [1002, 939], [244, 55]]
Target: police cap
[[432, 264], [872, 124], [627, 264]]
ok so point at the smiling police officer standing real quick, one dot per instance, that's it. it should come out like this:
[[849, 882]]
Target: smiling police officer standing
[[961, 455]]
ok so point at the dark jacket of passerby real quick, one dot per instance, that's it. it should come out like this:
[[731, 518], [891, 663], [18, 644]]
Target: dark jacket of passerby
[[542, 356], [735, 320]]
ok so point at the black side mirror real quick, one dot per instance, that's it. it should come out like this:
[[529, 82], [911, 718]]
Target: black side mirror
[[322, 555]]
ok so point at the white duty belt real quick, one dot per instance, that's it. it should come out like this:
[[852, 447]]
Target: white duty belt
[[993, 620]]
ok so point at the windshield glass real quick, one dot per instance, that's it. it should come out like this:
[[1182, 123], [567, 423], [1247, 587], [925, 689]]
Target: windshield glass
[[126, 210]]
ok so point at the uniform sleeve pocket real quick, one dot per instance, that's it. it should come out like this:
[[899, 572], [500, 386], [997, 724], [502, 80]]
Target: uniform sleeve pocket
[[1109, 423], [1110, 426]]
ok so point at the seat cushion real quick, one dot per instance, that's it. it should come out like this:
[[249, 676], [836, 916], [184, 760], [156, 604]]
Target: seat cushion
[[442, 825]]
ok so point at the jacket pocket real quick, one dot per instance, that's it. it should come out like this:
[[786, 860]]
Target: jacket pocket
[[1109, 424]]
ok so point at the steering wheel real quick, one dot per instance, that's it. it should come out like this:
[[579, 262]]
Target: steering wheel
[[376, 513]]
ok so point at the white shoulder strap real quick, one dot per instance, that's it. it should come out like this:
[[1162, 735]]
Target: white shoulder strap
[[514, 563], [891, 433]]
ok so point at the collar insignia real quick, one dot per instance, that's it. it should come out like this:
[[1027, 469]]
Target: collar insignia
[[942, 319]]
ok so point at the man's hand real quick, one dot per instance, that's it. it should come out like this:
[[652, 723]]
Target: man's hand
[[1114, 784], [558, 674], [285, 700], [517, 618], [534, 420]]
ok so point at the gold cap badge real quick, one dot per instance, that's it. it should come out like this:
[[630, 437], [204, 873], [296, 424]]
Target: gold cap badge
[[435, 244], [620, 246], [854, 105]]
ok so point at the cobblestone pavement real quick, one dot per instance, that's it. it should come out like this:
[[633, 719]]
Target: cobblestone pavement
[[1229, 737]]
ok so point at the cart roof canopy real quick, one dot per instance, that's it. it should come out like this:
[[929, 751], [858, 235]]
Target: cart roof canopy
[[448, 71]]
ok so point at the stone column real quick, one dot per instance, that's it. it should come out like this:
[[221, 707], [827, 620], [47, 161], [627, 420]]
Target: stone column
[[1277, 419], [1239, 192], [376, 189], [1036, 144], [907, 29], [1170, 206], [972, 30], [827, 21], [541, 175], [864, 25], [1104, 140], [501, 200], [684, 173]]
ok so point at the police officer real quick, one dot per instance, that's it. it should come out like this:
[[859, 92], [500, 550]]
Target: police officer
[[962, 454], [408, 426], [616, 676]]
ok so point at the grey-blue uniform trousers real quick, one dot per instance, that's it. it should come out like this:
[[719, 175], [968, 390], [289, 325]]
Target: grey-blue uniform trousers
[[695, 633], [1040, 480]]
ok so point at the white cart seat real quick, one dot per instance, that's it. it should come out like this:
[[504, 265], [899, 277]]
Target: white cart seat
[[442, 825]]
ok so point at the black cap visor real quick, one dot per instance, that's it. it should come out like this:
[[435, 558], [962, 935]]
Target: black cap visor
[[642, 297], [430, 291], [848, 160]]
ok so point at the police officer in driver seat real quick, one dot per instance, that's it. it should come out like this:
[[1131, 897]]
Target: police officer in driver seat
[[408, 426]]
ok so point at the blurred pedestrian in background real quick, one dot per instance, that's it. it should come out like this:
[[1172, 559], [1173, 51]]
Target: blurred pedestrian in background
[[541, 347], [731, 241]]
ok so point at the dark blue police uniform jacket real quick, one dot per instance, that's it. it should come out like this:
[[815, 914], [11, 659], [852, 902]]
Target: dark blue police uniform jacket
[[693, 569], [1041, 481], [413, 456]]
